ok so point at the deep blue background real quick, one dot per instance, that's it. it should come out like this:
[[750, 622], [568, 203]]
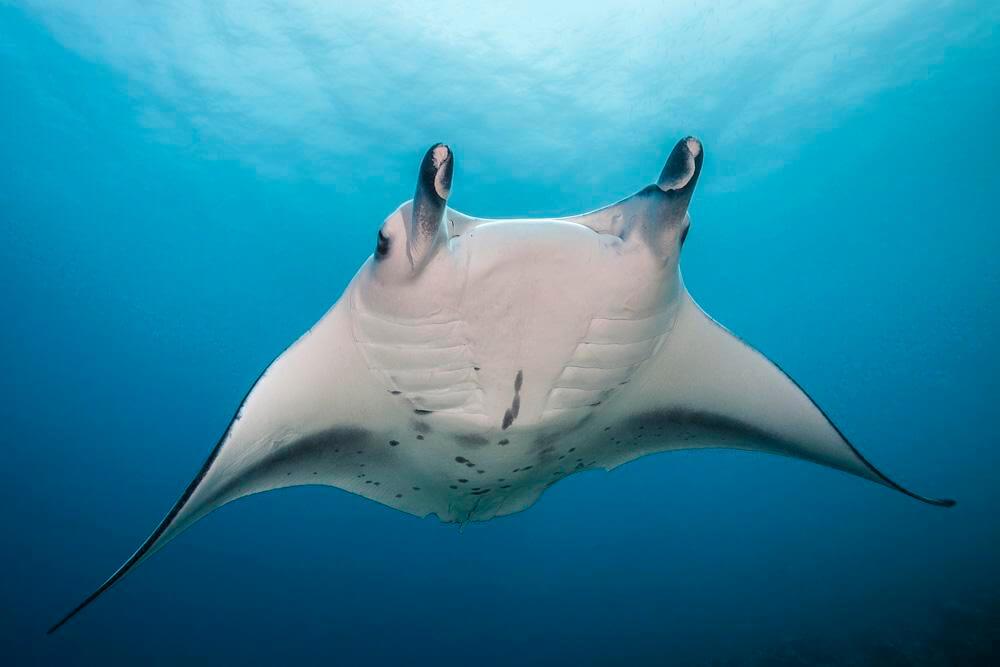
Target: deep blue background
[[150, 268]]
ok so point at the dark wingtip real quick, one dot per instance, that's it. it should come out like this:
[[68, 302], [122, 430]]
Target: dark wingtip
[[57, 625], [146, 546], [940, 502], [112, 580], [76, 610], [881, 476]]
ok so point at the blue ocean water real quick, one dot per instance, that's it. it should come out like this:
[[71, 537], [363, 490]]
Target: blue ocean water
[[186, 187]]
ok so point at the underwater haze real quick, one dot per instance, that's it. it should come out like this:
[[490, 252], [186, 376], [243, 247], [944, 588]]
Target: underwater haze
[[186, 187]]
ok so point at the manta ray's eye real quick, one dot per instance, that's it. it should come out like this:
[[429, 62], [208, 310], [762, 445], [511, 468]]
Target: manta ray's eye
[[382, 245]]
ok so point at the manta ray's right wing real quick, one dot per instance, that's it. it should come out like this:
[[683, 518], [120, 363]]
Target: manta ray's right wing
[[707, 388]]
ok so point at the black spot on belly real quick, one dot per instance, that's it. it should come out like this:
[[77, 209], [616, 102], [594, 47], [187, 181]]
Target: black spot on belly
[[422, 412], [515, 406], [503, 442], [420, 437], [461, 459], [395, 392], [393, 443], [481, 492]]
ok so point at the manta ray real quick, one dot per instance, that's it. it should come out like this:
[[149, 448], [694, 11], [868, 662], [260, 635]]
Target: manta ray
[[472, 363]]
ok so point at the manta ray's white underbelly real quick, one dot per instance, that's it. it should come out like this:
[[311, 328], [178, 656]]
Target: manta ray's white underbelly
[[524, 344]]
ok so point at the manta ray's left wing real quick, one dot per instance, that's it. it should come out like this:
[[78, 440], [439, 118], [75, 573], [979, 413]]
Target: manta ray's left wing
[[707, 388], [314, 417]]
